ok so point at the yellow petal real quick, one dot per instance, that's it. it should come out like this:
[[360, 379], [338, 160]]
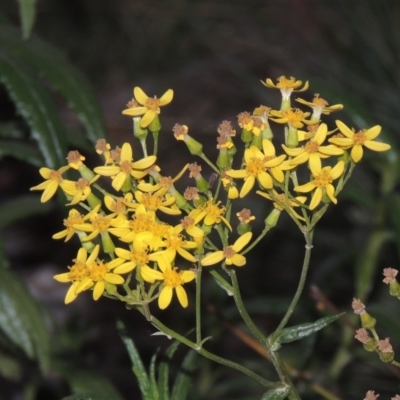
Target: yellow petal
[[144, 163], [114, 278], [167, 97], [135, 111], [238, 260], [342, 142], [119, 180], [320, 135], [150, 275], [165, 297], [278, 174], [337, 170], [63, 278], [126, 152], [268, 148], [98, 290], [315, 163], [344, 129], [186, 255], [316, 199], [182, 296], [107, 171], [242, 241], [265, 180], [357, 153], [212, 258], [93, 256], [293, 152], [71, 296], [140, 96], [373, 132], [187, 276], [147, 118], [247, 186], [331, 150], [307, 187], [125, 268], [330, 191], [49, 192], [376, 146], [240, 173]]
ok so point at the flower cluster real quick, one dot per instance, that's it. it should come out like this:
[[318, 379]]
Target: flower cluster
[[145, 238]]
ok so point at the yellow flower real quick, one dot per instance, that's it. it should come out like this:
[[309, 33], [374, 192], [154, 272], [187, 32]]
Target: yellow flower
[[286, 86], [79, 190], [312, 151], [322, 183], [74, 218], [320, 106], [211, 213], [154, 202], [189, 223], [172, 279], [53, 180], [292, 116], [126, 167], [358, 140], [150, 106], [229, 254], [86, 273], [280, 201], [138, 255], [256, 164]]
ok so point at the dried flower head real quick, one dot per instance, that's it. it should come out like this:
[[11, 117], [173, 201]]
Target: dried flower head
[[362, 335], [390, 275], [358, 306]]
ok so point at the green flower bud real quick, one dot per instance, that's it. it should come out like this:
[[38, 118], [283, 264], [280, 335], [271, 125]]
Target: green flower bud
[[292, 138], [272, 218], [110, 287], [201, 184], [223, 160], [257, 141], [86, 173], [394, 288], [386, 357], [155, 125], [93, 201], [243, 228], [367, 321], [246, 136], [108, 245], [193, 145], [138, 131]]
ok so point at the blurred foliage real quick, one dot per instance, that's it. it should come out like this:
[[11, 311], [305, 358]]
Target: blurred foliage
[[214, 54]]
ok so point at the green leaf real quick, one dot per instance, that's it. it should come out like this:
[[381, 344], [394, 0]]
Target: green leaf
[[88, 396], [90, 381], [184, 379], [138, 367], [36, 107], [27, 12], [153, 381], [298, 332], [10, 368], [22, 207], [62, 75], [163, 371], [22, 151], [276, 394], [21, 320]]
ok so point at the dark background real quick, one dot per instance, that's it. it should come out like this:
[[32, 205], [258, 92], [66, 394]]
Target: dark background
[[213, 54]]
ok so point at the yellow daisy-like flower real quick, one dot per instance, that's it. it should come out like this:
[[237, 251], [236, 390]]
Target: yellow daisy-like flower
[[230, 253], [138, 255], [292, 116], [312, 151], [319, 106], [357, 140], [286, 86], [86, 273], [79, 190], [74, 218], [322, 183], [211, 213], [154, 202], [188, 224], [280, 201], [126, 167], [150, 107], [257, 163], [172, 279], [53, 180]]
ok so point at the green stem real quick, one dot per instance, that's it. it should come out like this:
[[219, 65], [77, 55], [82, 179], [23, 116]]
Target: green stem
[[144, 147], [262, 234], [395, 363], [198, 304], [212, 356], [204, 157], [155, 137], [308, 236]]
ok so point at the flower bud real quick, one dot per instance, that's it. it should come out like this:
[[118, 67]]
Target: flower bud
[[193, 145], [155, 125], [247, 136], [367, 321], [243, 228], [138, 131], [272, 218], [108, 245]]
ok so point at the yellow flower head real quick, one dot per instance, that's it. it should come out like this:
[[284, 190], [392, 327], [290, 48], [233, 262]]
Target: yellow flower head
[[149, 107], [357, 140], [320, 106], [172, 280], [322, 183], [286, 86], [126, 167], [229, 254], [53, 180], [294, 117], [312, 151]]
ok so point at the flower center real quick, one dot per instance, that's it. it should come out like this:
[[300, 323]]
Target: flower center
[[82, 184], [323, 179], [187, 222], [101, 223], [172, 278], [151, 202], [97, 271], [55, 175], [126, 166], [174, 242], [141, 223], [229, 252], [293, 115], [139, 257], [359, 138], [78, 272], [153, 104], [118, 206], [255, 166], [311, 147], [73, 220]]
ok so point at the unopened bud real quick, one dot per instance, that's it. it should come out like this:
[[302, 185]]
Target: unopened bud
[[272, 218]]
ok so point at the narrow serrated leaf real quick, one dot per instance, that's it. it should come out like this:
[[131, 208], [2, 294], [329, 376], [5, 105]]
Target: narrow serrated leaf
[[88, 396], [21, 320], [27, 12], [62, 75], [153, 380], [21, 150], [138, 367], [37, 108], [22, 207], [163, 371], [298, 332], [184, 378]]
